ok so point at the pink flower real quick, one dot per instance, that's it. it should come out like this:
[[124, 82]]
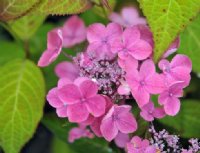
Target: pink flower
[[79, 132], [54, 101], [149, 112], [132, 45], [54, 48], [124, 88], [100, 39], [67, 70], [137, 145], [118, 119], [129, 17], [178, 70], [82, 99], [74, 31], [144, 82], [170, 98], [129, 63], [121, 140]]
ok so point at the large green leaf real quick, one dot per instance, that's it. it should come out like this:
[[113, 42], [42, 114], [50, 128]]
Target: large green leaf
[[60, 127], [190, 43], [10, 51], [12, 9], [26, 26], [167, 18], [186, 123], [22, 100]]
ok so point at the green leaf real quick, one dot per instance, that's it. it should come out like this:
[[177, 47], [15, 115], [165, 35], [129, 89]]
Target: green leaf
[[10, 51], [190, 43], [186, 123], [167, 18], [26, 26], [60, 146], [12, 9], [61, 7], [22, 99], [60, 128]]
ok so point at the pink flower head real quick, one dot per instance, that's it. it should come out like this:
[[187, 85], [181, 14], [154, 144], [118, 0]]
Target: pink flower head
[[129, 17], [74, 31], [54, 48], [145, 82], [137, 145], [118, 119], [132, 45], [82, 99], [67, 70], [54, 101], [170, 98], [121, 140], [79, 132], [172, 48], [177, 70], [149, 112], [100, 39]]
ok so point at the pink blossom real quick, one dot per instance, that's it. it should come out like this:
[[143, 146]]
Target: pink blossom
[[129, 63], [54, 101], [121, 140], [129, 17], [170, 98], [54, 48], [132, 45], [145, 82], [137, 145], [100, 39], [118, 119], [67, 70], [74, 31], [149, 112], [79, 132], [124, 88], [82, 99], [177, 70]]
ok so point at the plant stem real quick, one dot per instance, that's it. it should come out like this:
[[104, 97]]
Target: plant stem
[[26, 48]]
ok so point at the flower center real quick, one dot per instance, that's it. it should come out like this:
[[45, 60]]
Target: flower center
[[142, 83]]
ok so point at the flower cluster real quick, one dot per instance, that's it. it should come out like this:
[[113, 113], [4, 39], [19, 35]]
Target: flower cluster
[[115, 66]]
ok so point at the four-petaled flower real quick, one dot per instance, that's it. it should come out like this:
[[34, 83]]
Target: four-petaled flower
[[118, 119]]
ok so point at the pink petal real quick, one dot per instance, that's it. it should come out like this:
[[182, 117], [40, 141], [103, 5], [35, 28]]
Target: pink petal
[[69, 94], [147, 116], [155, 84], [96, 105], [121, 140], [141, 96], [172, 107], [64, 81], [77, 113], [95, 32], [164, 98], [141, 50], [126, 123], [130, 37], [108, 129], [136, 140], [164, 65], [52, 98], [74, 31], [182, 61], [62, 111], [114, 17], [147, 69], [124, 89], [67, 69], [95, 126], [88, 88], [80, 80], [128, 64], [159, 113], [54, 47], [113, 31]]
